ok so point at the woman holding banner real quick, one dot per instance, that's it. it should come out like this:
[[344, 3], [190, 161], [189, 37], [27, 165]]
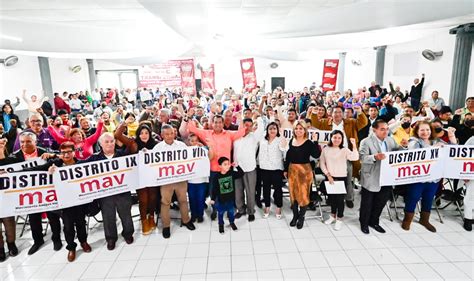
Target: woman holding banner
[[147, 196], [424, 137], [299, 171], [333, 163]]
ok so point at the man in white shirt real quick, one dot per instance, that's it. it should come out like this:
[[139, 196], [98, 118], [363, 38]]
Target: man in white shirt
[[181, 188], [245, 150], [436, 103]]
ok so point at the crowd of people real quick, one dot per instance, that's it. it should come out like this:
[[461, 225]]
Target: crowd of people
[[248, 153]]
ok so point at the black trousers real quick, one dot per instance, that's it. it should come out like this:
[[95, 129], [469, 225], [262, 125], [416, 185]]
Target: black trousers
[[272, 178], [74, 220], [372, 204], [110, 206], [37, 227], [336, 201]]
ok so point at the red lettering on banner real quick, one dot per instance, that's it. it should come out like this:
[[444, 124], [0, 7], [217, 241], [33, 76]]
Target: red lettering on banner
[[170, 171], [97, 185], [416, 170], [468, 167], [31, 196], [249, 77]]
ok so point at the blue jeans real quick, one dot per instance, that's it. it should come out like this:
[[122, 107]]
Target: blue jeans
[[223, 207], [197, 198], [424, 190]]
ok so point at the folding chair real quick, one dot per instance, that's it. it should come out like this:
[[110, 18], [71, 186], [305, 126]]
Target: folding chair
[[26, 222], [317, 179]]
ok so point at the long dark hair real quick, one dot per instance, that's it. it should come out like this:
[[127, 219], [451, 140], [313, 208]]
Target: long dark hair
[[335, 132], [151, 141], [272, 124]]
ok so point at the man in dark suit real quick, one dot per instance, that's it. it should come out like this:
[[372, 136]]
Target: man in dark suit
[[416, 92]]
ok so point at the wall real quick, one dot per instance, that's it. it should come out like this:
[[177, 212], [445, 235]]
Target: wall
[[357, 76], [64, 79], [23, 75], [437, 72]]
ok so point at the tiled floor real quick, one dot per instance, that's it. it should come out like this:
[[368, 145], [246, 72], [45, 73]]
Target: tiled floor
[[267, 249]]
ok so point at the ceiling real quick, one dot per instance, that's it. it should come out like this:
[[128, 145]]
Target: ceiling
[[146, 31]]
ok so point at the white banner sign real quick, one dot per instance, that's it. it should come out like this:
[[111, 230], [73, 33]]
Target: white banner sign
[[82, 183], [411, 166], [160, 167], [323, 136], [459, 162], [26, 193], [23, 165]]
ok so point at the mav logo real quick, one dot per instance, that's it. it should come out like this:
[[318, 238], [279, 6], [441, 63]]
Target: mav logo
[[102, 183], [30, 198]]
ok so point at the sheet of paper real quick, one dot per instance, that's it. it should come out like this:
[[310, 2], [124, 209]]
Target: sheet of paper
[[337, 188]]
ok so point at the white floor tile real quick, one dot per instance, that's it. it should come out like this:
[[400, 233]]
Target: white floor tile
[[452, 254], [264, 247], [195, 266], [346, 273], [349, 243], [171, 267], [397, 272], [244, 276], [324, 273], [290, 261], [371, 272], [360, 257], [267, 262], [466, 267], [243, 263], [423, 271], [219, 249], [406, 255], [72, 271], [328, 244], [337, 258], [122, 269], [197, 250], [429, 254], [269, 275], [219, 264], [295, 274], [314, 259], [449, 271], [383, 256], [97, 270], [153, 252], [131, 253], [242, 248], [146, 268]]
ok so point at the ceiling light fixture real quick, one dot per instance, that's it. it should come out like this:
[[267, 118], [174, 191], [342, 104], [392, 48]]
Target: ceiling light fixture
[[9, 61]]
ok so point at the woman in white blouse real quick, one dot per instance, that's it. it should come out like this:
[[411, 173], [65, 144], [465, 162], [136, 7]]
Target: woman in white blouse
[[270, 157]]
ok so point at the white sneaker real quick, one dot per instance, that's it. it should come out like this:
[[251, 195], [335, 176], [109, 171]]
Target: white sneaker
[[330, 220], [338, 225], [266, 213]]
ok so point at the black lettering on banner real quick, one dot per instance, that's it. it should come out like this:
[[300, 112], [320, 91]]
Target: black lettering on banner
[[434, 153], [131, 162], [326, 137]]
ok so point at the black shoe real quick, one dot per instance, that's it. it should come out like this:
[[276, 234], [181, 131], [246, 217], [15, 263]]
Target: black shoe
[[294, 208], [378, 228], [301, 214], [233, 226], [213, 214], [200, 219], [3, 256], [35, 248], [468, 224], [238, 215], [57, 245], [365, 229], [259, 203], [129, 240], [12, 249], [189, 225], [312, 206], [193, 219], [251, 217], [350, 204], [221, 228], [110, 245], [166, 232]]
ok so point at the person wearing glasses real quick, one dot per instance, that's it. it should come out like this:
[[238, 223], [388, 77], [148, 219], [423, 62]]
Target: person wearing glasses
[[74, 218], [43, 137]]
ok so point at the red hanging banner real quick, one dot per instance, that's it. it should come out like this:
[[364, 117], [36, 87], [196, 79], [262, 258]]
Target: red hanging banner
[[188, 83], [208, 82], [330, 75], [248, 74]]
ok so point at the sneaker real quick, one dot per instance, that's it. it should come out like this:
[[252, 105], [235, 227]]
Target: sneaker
[[221, 228], [330, 220], [233, 226], [338, 225], [239, 215]]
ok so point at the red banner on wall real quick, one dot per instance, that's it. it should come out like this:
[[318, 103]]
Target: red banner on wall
[[248, 74], [208, 82], [160, 75], [330, 75], [188, 82]]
